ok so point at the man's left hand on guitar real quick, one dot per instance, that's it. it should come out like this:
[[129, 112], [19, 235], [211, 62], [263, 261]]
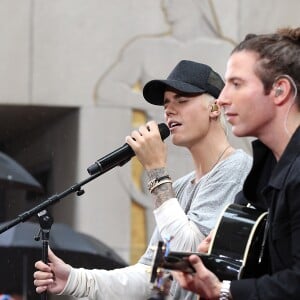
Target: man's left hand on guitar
[[205, 244], [202, 282]]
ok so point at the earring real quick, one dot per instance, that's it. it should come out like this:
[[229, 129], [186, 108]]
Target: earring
[[214, 107], [278, 91]]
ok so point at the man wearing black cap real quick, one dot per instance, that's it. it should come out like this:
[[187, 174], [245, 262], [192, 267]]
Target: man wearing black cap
[[185, 210]]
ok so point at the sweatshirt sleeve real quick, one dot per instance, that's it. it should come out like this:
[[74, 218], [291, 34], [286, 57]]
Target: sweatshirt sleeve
[[172, 221], [132, 282]]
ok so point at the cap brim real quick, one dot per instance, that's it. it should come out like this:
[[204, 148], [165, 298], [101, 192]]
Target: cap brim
[[154, 90]]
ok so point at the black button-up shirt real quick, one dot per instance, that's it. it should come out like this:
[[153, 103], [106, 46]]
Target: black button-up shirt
[[275, 186]]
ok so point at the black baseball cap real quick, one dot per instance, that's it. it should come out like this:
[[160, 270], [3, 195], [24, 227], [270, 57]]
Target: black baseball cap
[[188, 77]]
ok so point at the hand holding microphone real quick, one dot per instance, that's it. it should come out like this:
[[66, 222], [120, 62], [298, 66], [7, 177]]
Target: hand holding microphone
[[147, 144], [123, 154]]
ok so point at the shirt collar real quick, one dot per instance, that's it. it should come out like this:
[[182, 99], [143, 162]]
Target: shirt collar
[[291, 152]]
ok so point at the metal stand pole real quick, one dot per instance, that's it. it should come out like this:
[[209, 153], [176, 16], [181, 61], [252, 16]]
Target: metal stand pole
[[46, 222]]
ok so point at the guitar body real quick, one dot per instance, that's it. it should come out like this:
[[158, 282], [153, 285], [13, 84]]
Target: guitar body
[[236, 249], [239, 237]]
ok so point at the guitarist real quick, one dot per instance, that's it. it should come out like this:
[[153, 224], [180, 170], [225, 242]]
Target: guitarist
[[261, 98]]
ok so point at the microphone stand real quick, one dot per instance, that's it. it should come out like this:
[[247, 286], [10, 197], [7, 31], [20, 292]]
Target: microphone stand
[[50, 201], [45, 219]]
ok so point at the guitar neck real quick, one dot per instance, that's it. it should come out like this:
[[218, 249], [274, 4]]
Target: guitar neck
[[225, 268]]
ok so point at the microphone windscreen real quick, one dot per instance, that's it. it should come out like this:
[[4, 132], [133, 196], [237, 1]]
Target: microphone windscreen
[[164, 130]]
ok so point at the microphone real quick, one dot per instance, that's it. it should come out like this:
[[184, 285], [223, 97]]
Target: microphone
[[121, 155]]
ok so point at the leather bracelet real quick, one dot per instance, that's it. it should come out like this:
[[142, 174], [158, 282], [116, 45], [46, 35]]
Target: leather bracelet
[[225, 290]]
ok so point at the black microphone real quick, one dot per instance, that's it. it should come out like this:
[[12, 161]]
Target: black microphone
[[121, 155]]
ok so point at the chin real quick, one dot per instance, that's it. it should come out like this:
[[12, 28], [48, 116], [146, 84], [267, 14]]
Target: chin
[[176, 142], [240, 132]]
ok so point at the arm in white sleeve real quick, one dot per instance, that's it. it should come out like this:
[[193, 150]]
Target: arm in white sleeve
[[172, 222], [132, 283]]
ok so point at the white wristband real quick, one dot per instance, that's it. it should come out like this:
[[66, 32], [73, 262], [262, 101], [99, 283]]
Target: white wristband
[[225, 290]]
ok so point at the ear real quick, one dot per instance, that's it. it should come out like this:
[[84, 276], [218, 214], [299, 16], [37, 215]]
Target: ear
[[281, 90]]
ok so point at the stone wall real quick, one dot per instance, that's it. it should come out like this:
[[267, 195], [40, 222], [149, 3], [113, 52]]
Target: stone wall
[[97, 55]]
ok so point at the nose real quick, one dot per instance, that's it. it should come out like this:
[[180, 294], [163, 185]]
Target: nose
[[223, 99], [170, 109]]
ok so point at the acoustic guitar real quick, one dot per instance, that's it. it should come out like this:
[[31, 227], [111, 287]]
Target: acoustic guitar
[[236, 250]]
